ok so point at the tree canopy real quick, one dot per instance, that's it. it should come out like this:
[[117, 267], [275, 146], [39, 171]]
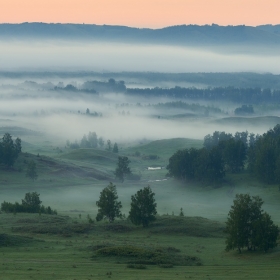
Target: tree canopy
[[32, 201], [143, 207], [30, 204], [122, 168], [31, 171], [264, 156], [108, 204], [115, 148], [199, 164], [248, 226], [9, 150]]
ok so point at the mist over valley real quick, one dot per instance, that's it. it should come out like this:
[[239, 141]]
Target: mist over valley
[[183, 121]]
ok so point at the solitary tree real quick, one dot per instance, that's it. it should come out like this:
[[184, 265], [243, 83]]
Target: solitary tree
[[143, 207], [181, 212], [109, 145], [122, 168], [32, 202], [115, 148], [31, 171], [92, 139], [100, 142], [85, 142], [108, 204], [248, 227]]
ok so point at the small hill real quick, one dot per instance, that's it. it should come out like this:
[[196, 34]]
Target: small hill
[[90, 155], [171, 35], [269, 121], [165, 148], [51, 172], [191, 226]]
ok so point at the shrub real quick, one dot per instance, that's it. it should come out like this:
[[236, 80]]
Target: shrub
[[137, 266], [166, 265], [30, 204]]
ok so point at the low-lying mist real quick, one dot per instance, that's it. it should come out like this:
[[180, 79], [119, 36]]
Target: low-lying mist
[[112, 116], [109, 56], [43, 104]]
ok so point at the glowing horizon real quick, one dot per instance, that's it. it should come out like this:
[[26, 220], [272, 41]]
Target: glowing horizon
[[142, 14]]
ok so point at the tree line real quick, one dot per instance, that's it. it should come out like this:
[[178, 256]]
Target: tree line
[[224, 152], [93, 141], [232, 94], [253, 95], [30, 204], [9, 150], [88, 141], [264, 157]]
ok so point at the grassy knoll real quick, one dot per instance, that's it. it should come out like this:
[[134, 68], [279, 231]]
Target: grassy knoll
[[164, 148], [50, 172], [101, 160], [171, 248], [267, 121]]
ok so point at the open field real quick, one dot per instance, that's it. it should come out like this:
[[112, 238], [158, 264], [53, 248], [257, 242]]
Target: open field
[[59, 247]]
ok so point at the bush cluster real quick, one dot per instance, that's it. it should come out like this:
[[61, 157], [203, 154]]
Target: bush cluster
[[147, 256], [30, 204], [9, 207]]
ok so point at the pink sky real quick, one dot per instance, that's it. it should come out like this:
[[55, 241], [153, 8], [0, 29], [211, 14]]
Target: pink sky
[[142, 13]]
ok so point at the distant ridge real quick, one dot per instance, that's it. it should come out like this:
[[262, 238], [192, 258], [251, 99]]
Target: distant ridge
[[173, 35]]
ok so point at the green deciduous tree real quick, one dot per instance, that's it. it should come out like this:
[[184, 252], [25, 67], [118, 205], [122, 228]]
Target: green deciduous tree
[[143, 207], [84, 142], [31, 171], [9, 151], [101, 142], [92, 139], [122, 168], [202, 165], [234, 154], [115, 148], [209, 166], [248, 227], [264, 156], [108, 204], [109, 145], [266, 233], [32, 202]]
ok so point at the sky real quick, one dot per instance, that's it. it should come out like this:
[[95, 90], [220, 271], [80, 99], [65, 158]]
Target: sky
[[142, 13]]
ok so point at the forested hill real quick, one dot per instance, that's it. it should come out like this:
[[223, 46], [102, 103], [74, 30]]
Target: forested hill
[[232, 94], [174, 35]]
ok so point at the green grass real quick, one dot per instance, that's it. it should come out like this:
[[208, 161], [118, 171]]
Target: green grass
[[90, 155], [164, 148], [7, 240], [102, 253], [145, 255], [65, 246], [51, 171]]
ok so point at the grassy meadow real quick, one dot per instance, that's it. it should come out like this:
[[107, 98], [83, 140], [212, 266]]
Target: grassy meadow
[[70, 246]]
